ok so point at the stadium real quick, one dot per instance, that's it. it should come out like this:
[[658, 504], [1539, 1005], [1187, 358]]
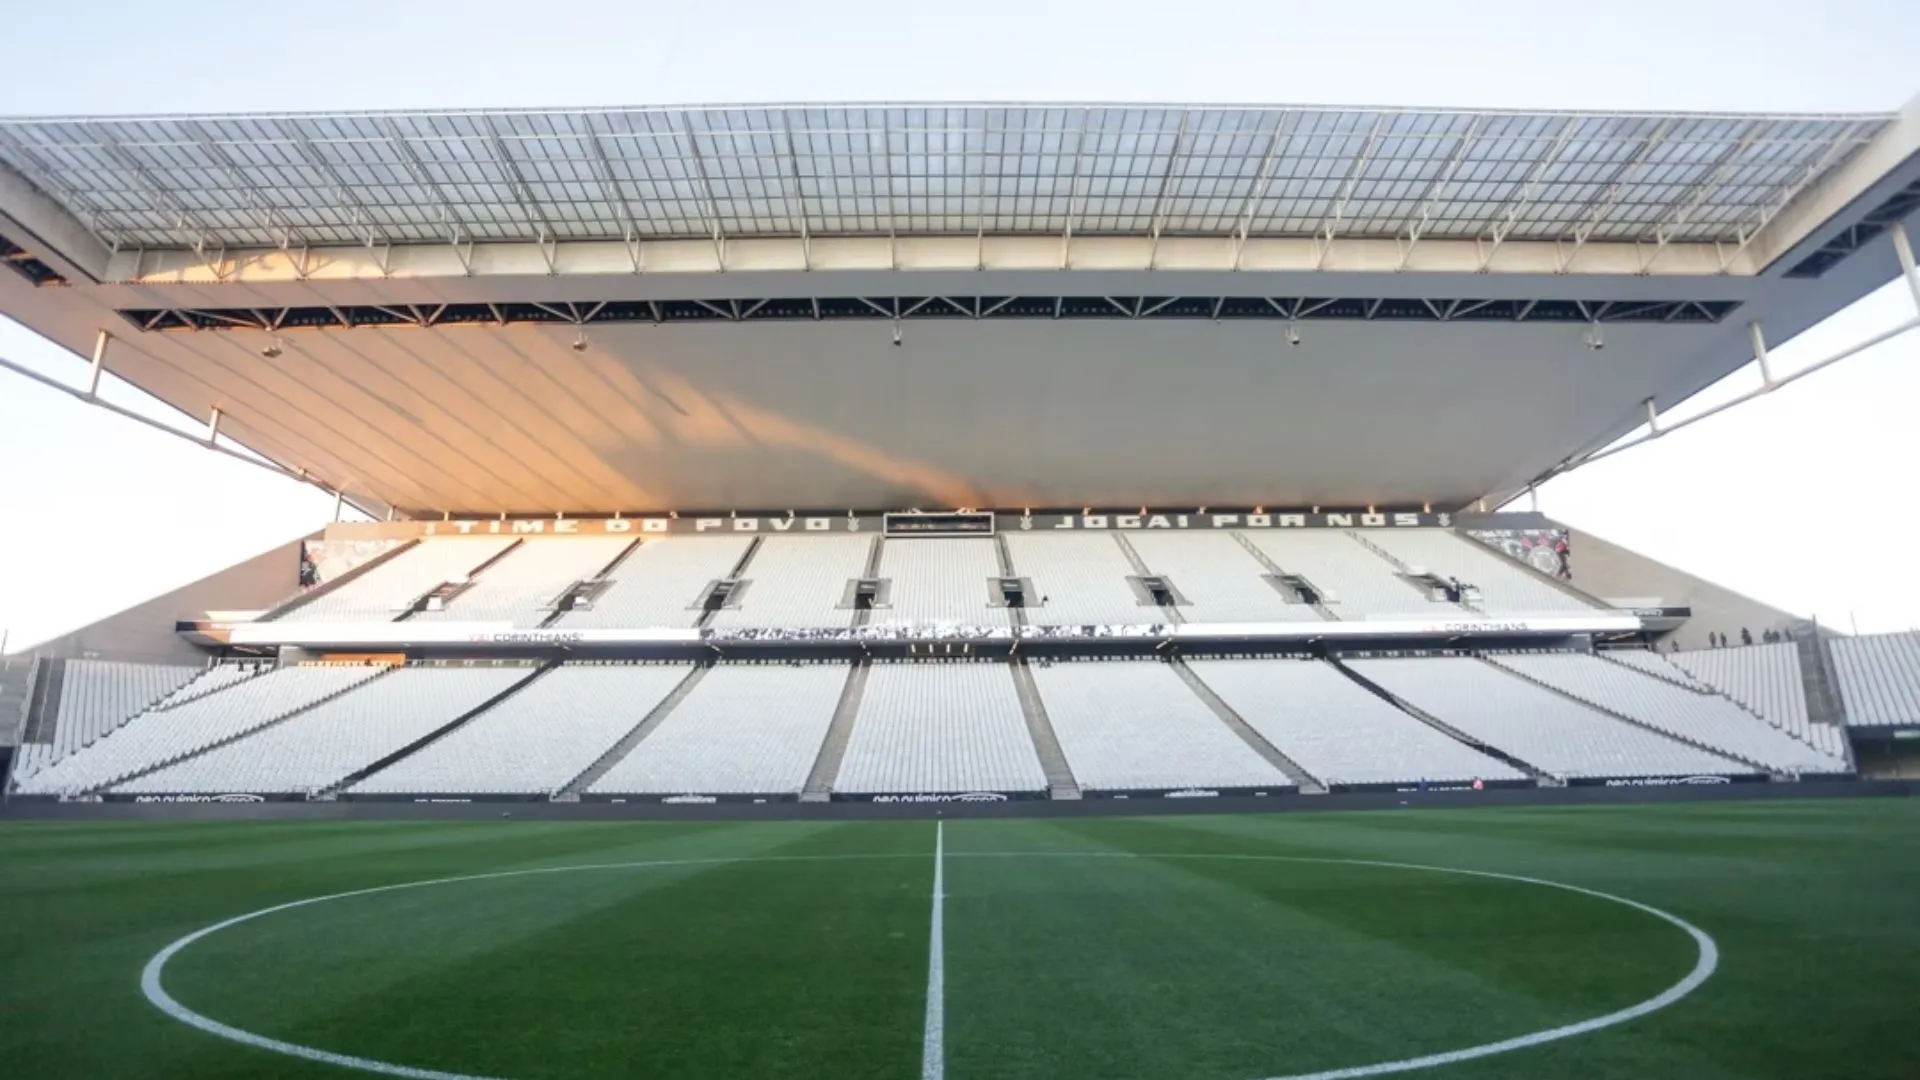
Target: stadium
[[900, 568]]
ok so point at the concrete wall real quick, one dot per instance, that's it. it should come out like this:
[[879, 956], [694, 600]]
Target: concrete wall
[[145, 631], [1604, 569]]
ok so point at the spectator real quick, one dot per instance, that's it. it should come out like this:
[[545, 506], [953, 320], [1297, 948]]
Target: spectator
[[1746, 636]]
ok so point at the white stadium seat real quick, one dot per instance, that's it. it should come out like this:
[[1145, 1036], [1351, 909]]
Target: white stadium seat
[[97, 696], [1355, 583], [522, 586], [746, 729], [1079, 579], [661, 584], [537, 740], [1339, 731], [1764, 678], [799, 581], [1705, 718], [1544, 729], [164, 735], [940, 728], [380, 593], [946, 582], [1879, 678], [1506, 586], [1134, 725], [331, 741], [1219, 580]]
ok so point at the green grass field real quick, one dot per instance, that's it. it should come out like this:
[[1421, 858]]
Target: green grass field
[[1189, 948]]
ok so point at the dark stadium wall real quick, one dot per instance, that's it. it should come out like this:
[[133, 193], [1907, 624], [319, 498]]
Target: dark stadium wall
[[144, 632], [1608, 571]]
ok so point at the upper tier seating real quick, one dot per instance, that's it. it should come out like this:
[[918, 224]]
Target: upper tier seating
[[539, 739], [97, 696], [1079, 579], [1219, 580], [946, 582], [746, 729], [1538, 726], [1879, 678], [1354, 583], [331, 741], [661, 584], [380, 594], [799, 581], [1704, 718], [1339, 731], [1134, 725], [523, 585], [1506, 587], [946, 728], [163, 735]]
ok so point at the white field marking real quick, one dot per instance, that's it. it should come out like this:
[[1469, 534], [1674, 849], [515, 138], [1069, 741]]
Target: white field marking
[[1708, 956], [933, 1045]]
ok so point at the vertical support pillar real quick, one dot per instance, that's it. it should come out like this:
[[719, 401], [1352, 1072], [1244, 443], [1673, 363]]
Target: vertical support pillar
[[213, 425], [338, 499], [99, 364], [1760, 353], [1533, 498], [1903, 247], [1653, 417]]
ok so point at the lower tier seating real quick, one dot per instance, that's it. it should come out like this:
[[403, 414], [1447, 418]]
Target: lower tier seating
[[326, 744], [1704, 718], [1337, 730], [539, 739], [162, 735], [747, 729], [1133, 725], [940, 728], [1547, 730]]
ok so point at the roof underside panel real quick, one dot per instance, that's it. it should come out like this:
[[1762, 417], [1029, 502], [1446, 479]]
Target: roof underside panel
[[376, 178]]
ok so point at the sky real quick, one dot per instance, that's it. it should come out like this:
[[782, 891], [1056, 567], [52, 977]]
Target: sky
[[1786, 499]]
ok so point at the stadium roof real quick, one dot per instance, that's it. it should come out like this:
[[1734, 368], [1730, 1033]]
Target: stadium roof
[[651, 309], [880, 170]]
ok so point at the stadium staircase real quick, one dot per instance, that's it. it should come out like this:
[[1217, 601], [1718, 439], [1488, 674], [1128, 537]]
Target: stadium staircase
[[1277, 572], [1142, 571], [43, 702], [1053, 761], [1821, 684], [306, 596], [1016, 616], [16, 683], [1271, 754], [1540, 776], [739, 571], [1717, 751], [236, 737], [826, 767], [570, 792], [333, 790]]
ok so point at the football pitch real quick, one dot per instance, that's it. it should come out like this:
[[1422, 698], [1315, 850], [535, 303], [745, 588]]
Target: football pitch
[[1763, 939]]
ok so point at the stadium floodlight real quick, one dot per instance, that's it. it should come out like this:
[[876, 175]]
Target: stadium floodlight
[[1592, 338], [272, 349], [896, 332], [580, 341], [1293, 332]]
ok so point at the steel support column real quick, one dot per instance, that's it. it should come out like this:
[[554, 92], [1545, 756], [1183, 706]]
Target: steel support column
[[1760, 353], [99, 363], [1903, 247]]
